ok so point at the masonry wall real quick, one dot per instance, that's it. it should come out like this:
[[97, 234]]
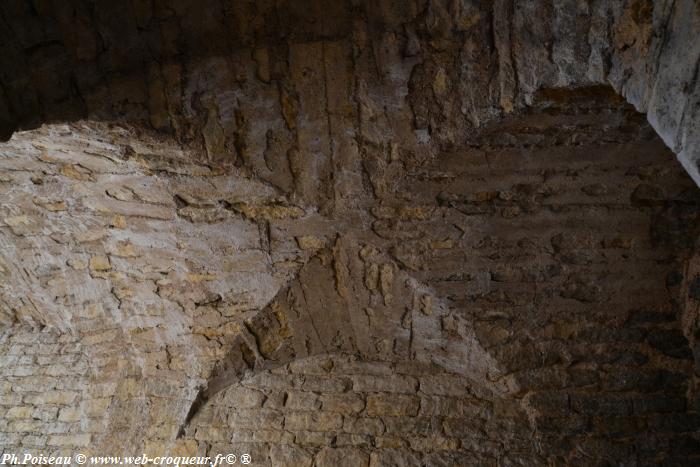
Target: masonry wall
[[566, 248], [439, 189], [341, 411], [43, 395], [193, 68], [520, 299]]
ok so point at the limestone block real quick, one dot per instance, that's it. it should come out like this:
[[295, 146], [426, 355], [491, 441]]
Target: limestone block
[[394, 383], [69, 415], [363, 425], [312, 421], [52, 397], [247, 418], [243, 398], [342, 403], [69, 440], [297, 400], [342, 457], [289, 455], [100, 263], [345, 439], [392, 405], [397, 457], [14, 413], [434, 443], [326, 384], [444, 385], [313, 439]]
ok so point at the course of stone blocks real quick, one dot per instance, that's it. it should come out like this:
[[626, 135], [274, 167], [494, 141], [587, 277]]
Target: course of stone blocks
[[351, 233]]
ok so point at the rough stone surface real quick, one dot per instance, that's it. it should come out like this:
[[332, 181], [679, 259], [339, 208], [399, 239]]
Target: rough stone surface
[[351, 233], [210, 70], [384, 428]]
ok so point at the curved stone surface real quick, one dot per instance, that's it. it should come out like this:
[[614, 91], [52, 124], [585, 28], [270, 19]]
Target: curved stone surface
[[537, 265], [349, 218], [213, 71]]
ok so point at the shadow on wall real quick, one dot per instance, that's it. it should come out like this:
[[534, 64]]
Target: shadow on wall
[[541, 263], [550, 252], [353, 299]]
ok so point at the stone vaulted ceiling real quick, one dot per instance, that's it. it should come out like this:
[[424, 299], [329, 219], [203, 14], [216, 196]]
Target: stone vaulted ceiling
[[377, 233]]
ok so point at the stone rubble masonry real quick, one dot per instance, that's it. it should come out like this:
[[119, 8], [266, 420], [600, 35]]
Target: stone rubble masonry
[[382, 425], [406, 71], [142, 318], [351, 233]]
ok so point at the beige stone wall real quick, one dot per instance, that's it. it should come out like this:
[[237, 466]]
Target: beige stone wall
[[210, 71], [100, 246], [44, 397], [534, 276], [341, 411], [438, 189]]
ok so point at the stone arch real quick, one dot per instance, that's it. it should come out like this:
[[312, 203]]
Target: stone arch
[[413, 82], [91, 223], [354, 300], [619, 355], [125, 63]]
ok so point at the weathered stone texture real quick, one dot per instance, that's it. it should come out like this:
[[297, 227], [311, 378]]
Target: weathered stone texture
[[383, 426], [521, 286], [407, 71], [348, 232]]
